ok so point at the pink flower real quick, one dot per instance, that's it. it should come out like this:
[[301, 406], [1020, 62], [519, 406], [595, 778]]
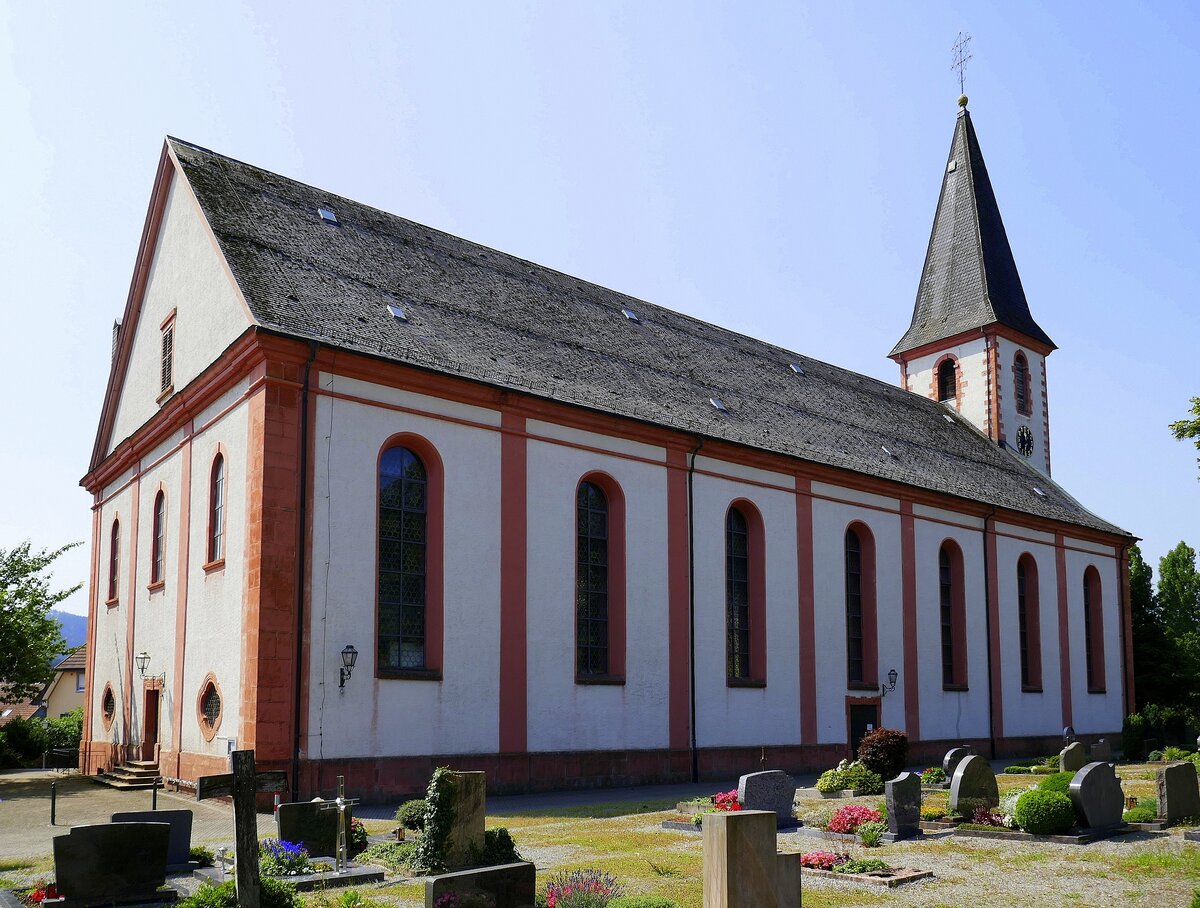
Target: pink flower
[[850, 817]]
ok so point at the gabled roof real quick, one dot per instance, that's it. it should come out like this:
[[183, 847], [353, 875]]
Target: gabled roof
[[76, 660], [970, 278], [493, 318]]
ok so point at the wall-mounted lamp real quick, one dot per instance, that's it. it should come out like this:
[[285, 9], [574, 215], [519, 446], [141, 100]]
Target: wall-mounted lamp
[[885, 689], [142, 661], [349, 657]]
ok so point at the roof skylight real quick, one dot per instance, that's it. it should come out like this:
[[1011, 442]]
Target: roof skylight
[[948, 417], [887, 451], [631, 315], [1038, 492], [797, 368], [718, 404], [327, 216], [397, 312]]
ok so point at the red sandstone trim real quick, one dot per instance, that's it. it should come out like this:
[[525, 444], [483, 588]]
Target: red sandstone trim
[[208, 732], [514, 497], [993, 330], [616, 577], [807, 606], [678, 613], [1064, 630], [1096, 681], [908, 570], [995, 649]]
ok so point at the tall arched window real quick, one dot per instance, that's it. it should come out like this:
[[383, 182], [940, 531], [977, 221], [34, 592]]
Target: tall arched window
[[737, 595], [591, 580], [403, 541], [953, 614], [861, 642], [947, 381], [1021, 383], [157, 540], [1093, 630], [216, 511], [1029, 620], [114, 560]]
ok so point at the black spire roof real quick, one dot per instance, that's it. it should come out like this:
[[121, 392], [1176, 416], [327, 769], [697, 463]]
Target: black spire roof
[[970, 279]]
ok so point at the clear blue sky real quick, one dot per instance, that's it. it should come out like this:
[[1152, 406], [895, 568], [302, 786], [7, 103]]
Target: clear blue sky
[[772, 168]]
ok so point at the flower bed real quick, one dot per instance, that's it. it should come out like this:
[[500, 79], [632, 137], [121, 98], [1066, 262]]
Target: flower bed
[[833, 865]]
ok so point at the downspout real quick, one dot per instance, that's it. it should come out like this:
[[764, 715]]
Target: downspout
[[692, 608], [301, 566], [987, 598], [1124, 614]]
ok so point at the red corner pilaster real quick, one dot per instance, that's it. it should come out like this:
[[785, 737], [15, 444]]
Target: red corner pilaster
[[908, 592], [678, 612], [514, 493]]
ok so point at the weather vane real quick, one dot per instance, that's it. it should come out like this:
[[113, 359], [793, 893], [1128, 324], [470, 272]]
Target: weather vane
[[962, 54]]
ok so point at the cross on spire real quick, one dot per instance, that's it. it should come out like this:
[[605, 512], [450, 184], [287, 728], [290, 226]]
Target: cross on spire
[[962, 54]]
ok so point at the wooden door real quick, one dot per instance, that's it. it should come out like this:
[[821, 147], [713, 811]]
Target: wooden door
[[150, 732]]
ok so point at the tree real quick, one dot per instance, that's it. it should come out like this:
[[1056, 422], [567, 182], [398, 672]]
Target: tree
[[1179, 605], [1189, 428], [1153, 662], [30, 638]]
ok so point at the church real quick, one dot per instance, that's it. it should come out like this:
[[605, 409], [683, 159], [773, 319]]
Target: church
[[370, 498]]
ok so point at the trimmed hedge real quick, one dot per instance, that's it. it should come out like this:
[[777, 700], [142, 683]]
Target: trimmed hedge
[[1140, 815], [1059, 781], [1016, 770], [1044, 812]]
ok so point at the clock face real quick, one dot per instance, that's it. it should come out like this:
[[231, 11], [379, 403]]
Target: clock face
[[1025, 441]]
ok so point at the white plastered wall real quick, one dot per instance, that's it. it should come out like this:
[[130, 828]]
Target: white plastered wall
[[972, 369], [186, 275], [108, 642], [1010, 419], [1094, 713]]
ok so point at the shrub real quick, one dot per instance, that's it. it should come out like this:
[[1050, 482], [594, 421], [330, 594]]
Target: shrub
[[851, 776], [1140, 815], [862, 865], [1045, 812], [931, 813], [273, 893], [201, 855], [581, 889], [1041, 770], [642, 901], [934, 775], [1016, 770], [498, 848], [1155, 756], [1059, 781], [279, 858], [884, 751], [66, 731], [871, 833], [358, 838], [1052, 762], [849, 818], [393, 855], [26, 738], [1172, 754], [411, 815], [430, 854]]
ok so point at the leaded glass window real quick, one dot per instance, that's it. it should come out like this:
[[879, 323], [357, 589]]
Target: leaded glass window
[[210, 705], [156, 548], [855, 665], [1023, 623], [946, 589], [216, 510], [114, 559], [737, 595], [403, 510], [591, 580]]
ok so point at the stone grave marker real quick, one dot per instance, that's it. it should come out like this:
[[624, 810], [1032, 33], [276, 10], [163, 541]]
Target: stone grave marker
[[1178, 792], [1101, 752], [772, 790], [470, 804], [740, 864], [903, 795], [510, 885], [1097, 797], [973, 786], [180, 842], [1149, 745], [1072, 758], [310, 824], [954, 756], [111, 863]]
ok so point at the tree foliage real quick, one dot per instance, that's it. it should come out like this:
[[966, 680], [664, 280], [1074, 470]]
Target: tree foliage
[[1189, 428], [30, 639], [1153, 665]]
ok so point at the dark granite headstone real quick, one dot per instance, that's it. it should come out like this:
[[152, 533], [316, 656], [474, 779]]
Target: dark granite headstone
[[311, 824], [179, 844], [953, 757], [1178, 792], [511, 885], [1097, 797], [1072, 758], [1101, 752], [470, 805], [112, 862], [1149, 745], [973, 786], [903, 795], [773, 790]]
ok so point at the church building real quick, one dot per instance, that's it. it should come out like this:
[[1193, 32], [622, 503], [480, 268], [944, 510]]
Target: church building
[[369, 499]]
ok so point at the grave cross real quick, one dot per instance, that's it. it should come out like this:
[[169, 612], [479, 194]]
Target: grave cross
[[242, 784], [340, 805]]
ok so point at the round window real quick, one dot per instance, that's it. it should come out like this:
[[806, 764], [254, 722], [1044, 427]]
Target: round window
[[108, 705], [210, 705]]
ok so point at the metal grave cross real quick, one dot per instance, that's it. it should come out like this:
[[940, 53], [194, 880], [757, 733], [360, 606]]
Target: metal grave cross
[[341, 860], [242, 784]]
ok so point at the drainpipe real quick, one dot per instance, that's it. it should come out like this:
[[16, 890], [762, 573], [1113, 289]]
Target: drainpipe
[[1123, 613], [301, 566], [692, 608], [987, 598]]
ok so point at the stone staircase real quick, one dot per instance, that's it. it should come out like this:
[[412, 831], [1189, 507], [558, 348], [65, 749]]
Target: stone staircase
[[131, 775]]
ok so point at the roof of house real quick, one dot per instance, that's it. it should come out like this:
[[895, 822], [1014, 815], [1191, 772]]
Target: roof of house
[[483, 315], [970, 278], [26, 710], [76, 660]]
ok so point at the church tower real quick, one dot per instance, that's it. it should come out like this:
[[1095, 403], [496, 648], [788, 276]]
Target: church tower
[[973, 343]]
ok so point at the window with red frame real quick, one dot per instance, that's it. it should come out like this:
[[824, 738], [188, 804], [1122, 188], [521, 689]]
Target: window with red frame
[[156, 545]]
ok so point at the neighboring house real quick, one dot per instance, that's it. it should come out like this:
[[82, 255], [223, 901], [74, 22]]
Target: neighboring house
[[66, 692], [574, 538]]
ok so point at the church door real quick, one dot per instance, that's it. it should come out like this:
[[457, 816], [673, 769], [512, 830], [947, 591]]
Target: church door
[[150, 732], [864, 717]]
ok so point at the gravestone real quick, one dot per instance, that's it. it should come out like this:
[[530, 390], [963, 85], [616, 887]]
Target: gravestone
[[973, 786], [772, 790], [740, 864], [112, 863], [179, 844], [510, 885], [470, 804], [1149, 745], [787, 879], [1072, 758], [1101, 752], [954, 756], [310, 824], [1178, 793], [1097, 797], [903, 795]]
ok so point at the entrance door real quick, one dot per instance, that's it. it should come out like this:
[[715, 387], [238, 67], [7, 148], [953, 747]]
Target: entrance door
[[150, 732], [864, 717]]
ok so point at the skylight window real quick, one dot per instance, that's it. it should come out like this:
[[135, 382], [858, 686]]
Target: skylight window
[[886, 451], [797, 368], [327, 216], [948, 418], [1038, 492], [397, 312], [631, 315], [718, 404]]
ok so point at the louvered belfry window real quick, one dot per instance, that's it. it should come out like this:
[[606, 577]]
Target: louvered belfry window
[[737, 595], [591, 580], [947, 377], [168, 357], [1021, 383], [403, 510]]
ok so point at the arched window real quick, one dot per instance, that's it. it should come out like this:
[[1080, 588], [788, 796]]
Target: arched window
[[861, 642], [947, 381], [954, 619], [1029, 620], [157, 540], [591, 580], [1021, 383], [737, 595], [216, 511], [1093, 630], [403, 542], [114, 560]]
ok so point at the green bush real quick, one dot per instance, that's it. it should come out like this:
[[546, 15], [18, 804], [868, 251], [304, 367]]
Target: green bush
[[393, 855], [273, 894], [201, 855], [26, 738], [1041, 770], [498, 848], [863, 780], [1016, 770], [1140, 815], [1155, 756], [1045, 812], [1059, 781], [871, 832], [1052, 762], [642, 901], [1172, 754], [411, 815], [861, 865], [1196, 899], [65, 732], [884, 751]]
